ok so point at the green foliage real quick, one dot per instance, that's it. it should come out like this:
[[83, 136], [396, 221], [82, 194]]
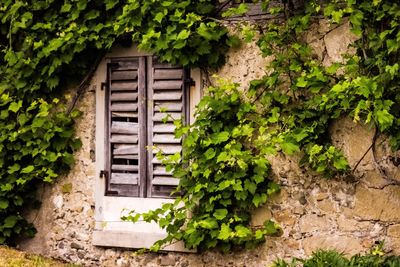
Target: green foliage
[[289, 110], [223, 174], [301, 97], [46, 46], [329, 258]]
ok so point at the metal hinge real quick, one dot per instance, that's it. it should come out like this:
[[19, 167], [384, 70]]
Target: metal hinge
[[103, 174], [190, 82], [103, 85]]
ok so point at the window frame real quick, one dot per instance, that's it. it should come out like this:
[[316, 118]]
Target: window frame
[[109, 230]]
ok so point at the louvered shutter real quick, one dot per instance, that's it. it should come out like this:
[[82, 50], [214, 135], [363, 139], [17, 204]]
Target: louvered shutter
[[166, 95], [125, 136]]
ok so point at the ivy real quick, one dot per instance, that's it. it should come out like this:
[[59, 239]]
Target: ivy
[[224, 176], [224, 168], [47, 46]]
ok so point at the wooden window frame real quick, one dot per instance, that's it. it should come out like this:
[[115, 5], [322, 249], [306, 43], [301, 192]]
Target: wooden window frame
[[109, 230]]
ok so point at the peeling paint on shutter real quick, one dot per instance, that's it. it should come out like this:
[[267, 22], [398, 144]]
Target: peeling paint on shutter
[[166, 97]]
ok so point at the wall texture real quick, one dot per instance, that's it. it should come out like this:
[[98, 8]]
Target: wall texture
[[348, 214]]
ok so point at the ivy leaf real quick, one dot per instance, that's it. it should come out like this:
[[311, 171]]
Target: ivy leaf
[[242, 231], [183, 35], [10, 221], [250, 186], [110, 4], [220, 214], [236, 11], [301, 82], [28, 169], [220, 137], [3, 204], [341, 163], [15, 106], [210, 153], [289, 148], [259, 199], [270, 227], [273, 188], [384, 118], [14, 168], [225, 232], [209, 223], [223, 156]]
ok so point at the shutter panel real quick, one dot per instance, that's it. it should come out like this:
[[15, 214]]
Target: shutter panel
[[166, 95], [125, 116]]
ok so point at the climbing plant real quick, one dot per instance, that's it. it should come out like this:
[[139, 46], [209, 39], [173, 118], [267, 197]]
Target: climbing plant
[[224, 169], [224, 173], [44, 45]]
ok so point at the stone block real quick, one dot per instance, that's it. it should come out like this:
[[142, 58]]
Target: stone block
[[394, 230], [260, 215], [285, 217], [376, 204], [350, 225], [326, 206], [344, 244], [312, 223], [338, 40], [167, 260]]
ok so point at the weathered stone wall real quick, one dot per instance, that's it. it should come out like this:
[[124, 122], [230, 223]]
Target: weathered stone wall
[[347, 214]]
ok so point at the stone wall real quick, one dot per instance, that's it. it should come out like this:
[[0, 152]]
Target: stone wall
[[347, 214]]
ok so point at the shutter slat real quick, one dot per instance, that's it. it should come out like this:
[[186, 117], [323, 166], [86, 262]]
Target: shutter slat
[[161, 180], [164, 128], [166, 139], [160, 170], [168, 106], [123, 86], [127, 139], [129, 107], [125, 149], [124, 97], [162, 65], [118, 167], [126, 65], [168, 85], [159, 116], [124, 75], [168, 149], [155, 160], [124, 114], [122, 127], [128, 157], [168, 74], [124, 178], [168, 96]]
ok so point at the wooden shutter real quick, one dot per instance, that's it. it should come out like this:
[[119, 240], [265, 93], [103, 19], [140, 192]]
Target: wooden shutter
[[125, 114], [166, 95]]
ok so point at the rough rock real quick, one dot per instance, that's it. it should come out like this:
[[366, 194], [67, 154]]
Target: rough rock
[[337, 42], [312, 223], [343, 244], [376, 204]]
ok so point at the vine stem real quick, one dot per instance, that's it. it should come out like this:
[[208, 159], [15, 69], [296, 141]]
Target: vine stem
[[80, 89], [369, 149]]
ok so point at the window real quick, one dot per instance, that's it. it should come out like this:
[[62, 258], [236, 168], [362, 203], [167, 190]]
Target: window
[[140, 93], [134, 92]]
